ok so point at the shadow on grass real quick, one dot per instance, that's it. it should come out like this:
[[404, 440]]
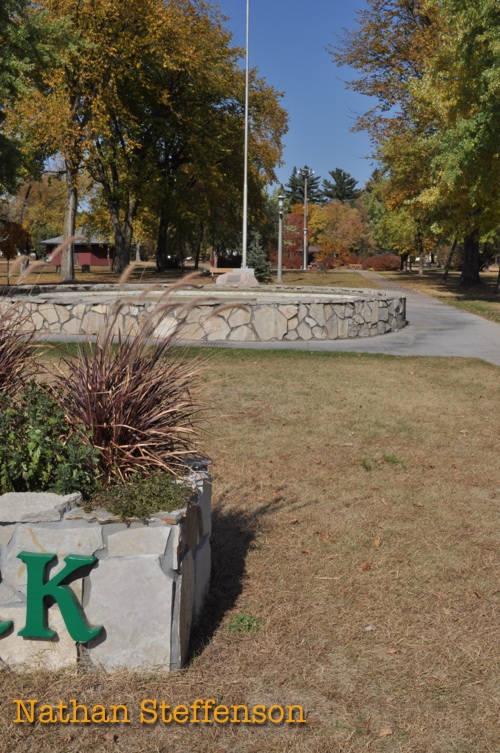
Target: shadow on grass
[[434, 280], [233, 536]]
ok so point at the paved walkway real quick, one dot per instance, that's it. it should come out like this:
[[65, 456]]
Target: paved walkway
[[434, 329]]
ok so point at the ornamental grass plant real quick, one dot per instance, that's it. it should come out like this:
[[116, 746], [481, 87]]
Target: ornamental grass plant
[[16, 339], [124, 408], [132, 399]]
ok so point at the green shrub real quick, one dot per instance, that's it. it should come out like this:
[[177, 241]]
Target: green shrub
[[38, 451], [257, 260], [142, 497]]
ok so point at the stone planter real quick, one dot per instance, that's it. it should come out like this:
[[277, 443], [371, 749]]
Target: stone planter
[[267, 314], [145, 588]]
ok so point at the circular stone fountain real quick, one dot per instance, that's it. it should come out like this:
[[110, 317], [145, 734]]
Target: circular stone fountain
[[216, 314]]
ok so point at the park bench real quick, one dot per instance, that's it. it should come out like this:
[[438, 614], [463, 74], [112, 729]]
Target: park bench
[[214, 271]]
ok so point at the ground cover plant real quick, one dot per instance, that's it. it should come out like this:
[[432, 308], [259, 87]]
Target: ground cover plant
[[482, 300], [38, 450], [355, 567]]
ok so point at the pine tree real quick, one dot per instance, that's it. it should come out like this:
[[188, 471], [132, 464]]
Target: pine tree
[[257, 260], [342, 188], [294, 189]]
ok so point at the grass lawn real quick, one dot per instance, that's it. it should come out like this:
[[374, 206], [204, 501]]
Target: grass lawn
[[146, 272], [337, 278], [480, 299], [355, 567]]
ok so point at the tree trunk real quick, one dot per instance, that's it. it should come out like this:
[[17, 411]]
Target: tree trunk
[[123, 234], [472, 262], [199, 241], [25, 204], [162, 245], [447, 266], [420, 247], [67, 256]]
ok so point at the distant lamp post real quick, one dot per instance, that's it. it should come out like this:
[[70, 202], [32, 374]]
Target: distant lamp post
[[280, 239], [306, 173]]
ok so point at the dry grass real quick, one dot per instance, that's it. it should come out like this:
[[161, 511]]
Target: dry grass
[[45, 274], [351, 492], [338, 278], [479, 299]]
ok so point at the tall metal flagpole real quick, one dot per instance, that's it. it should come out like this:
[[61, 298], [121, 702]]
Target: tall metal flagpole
[[245, 172]]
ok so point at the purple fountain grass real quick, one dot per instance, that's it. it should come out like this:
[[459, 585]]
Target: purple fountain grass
[[16, 340], [134, 399]]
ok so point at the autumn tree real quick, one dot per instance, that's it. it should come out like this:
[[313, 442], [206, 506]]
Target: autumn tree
[[338, 229], [341, 187], [457, 97], [433, 70]]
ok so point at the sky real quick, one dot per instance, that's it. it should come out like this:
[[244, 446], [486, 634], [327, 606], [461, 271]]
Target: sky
[[288, 41]]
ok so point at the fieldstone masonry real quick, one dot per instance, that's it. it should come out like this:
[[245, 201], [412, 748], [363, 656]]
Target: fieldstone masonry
[[269, 314], [147, 588]]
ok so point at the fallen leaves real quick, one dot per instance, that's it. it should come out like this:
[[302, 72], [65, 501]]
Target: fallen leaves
[[366, 566], [385, 732]]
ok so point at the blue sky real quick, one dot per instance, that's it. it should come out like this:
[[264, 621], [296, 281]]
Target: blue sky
[[288, 41]]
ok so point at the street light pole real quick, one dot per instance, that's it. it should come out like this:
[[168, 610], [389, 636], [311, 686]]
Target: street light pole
[[245, 170], [280, 239], [306, 174]]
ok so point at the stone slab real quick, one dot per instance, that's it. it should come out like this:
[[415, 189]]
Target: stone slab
[[61, 541], [132, 598], [138, 541], [36, 507], [6, 533], [17, 652]]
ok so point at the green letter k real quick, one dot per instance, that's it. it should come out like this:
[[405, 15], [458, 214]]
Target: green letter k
[[40, 591]]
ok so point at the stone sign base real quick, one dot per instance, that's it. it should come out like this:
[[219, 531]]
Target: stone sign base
[[146, 589]]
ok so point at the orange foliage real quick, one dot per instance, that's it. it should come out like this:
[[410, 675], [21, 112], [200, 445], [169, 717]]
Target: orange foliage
[[337, 228]]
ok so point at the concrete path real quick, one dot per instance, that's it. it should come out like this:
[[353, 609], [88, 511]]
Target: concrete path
[[434, 329]]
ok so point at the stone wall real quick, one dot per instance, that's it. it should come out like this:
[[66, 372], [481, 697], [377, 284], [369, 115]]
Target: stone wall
[[147, 587], [273, 314]]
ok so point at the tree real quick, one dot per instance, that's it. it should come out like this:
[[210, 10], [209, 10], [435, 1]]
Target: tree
[[457, 98], [294, 189], [338, 229], [257, 260], [433, 68], [341, 187], [39, 206], [23, 51]]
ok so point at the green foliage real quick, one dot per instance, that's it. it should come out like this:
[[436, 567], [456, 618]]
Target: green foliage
[[38, 452], [294, 189], [256, 260], [143, 497], [341, 187], [244, 624]]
